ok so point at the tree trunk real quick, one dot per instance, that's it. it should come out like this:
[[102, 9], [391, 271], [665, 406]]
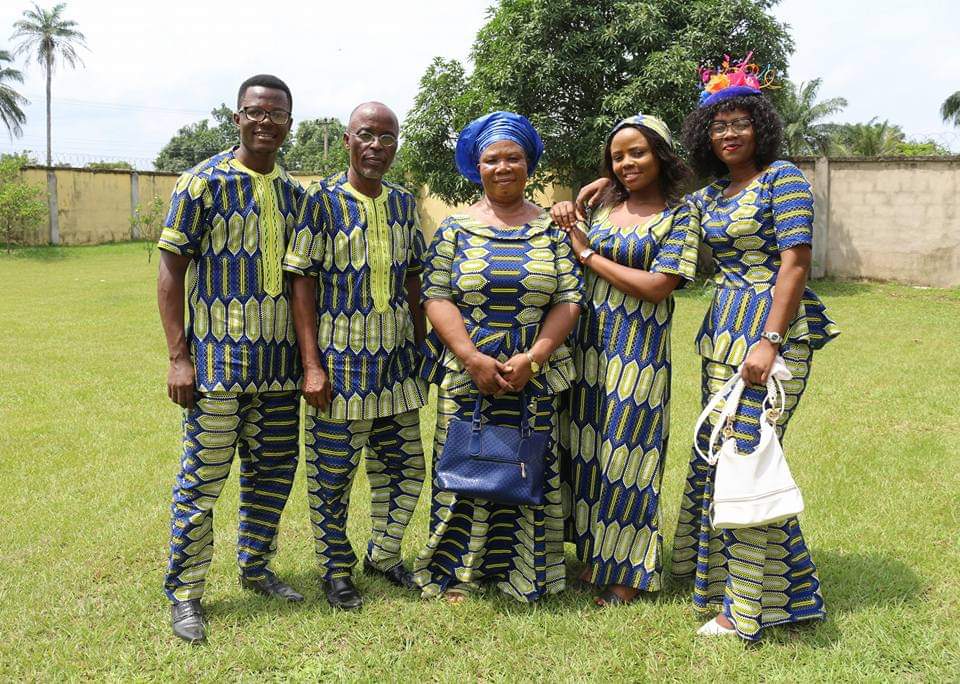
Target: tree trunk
[[49, 77]]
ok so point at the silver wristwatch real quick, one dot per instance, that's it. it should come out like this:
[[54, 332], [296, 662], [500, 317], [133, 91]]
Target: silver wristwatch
[[774, 337], [585, 254]]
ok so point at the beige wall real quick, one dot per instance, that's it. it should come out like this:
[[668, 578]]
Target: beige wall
[[884, 219], [895, 220]]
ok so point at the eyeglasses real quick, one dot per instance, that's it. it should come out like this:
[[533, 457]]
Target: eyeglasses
[[717, 129], [367, 138], [259, 114]]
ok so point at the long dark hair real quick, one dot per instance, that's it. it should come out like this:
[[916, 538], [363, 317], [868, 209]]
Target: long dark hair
[[673, 171], [767, 131]]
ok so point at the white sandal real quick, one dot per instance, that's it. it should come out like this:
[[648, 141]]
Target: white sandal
[[714, 628]]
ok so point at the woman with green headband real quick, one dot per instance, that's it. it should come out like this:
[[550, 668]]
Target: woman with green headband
[[636, 249]]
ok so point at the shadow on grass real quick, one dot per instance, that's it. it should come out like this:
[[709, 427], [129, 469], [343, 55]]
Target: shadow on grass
[[43, 253], [852, 581]]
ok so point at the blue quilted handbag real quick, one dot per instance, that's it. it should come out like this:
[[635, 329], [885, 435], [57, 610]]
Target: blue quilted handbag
[[499, 463]]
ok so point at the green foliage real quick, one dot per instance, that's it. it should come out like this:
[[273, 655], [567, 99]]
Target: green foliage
[[11, 101], [197, 141], [575, 67], [317, 148], [803, 131], [922, 148], [106, 165], [23, 206], [147, 222], [871, 139], [950, 110]]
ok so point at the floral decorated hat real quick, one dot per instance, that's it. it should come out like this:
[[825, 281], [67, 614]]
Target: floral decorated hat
[[733, 80]]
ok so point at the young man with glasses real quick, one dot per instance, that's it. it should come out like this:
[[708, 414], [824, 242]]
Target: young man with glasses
[[356, 259], [235, 367]]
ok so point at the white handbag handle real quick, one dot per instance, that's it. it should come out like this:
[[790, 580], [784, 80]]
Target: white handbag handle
[[773, 406]]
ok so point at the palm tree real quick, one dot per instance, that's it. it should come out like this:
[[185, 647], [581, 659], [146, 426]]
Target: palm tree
[[871, 139], [49, 37], [950, 110], [803, 131], [10, 100]]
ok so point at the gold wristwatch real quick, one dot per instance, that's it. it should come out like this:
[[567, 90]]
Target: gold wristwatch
[[534, 366]]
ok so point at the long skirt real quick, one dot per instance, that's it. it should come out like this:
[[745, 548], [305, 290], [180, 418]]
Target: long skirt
[[474, 541], [757, 576]]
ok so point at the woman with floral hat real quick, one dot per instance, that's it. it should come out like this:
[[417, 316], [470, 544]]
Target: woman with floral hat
[[757, 219]]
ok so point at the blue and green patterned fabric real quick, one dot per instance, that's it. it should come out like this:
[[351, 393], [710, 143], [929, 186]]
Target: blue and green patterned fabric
[[504, 280], [361, 251], [618, 410], [746, 234], [234, 223]]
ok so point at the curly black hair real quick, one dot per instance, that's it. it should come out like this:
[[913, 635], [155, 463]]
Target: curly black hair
[[767, 128], [673, 177]]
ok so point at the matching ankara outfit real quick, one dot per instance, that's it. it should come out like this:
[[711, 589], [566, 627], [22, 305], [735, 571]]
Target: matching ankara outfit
[[362, 250], [759, 576], [234, 224]]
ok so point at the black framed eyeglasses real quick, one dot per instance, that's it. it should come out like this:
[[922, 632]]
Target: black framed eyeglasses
[[258, 114], [367, 138], [718, 129]]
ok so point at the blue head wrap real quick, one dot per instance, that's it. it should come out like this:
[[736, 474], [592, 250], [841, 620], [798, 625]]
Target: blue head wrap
[[647, 121], [490, 128]]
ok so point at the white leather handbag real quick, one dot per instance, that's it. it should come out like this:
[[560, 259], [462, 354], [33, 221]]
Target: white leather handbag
[[756, 488]]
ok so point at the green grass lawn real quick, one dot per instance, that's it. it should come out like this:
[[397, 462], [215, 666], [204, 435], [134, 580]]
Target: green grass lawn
[[89, 448]]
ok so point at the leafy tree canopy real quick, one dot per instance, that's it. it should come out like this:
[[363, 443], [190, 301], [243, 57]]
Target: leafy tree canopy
[[575, 67], [197, 141]]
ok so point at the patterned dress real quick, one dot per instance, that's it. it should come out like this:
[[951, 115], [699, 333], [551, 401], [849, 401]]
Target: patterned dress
[[362, 250], [234, 224], [618, 412], [504, 281], [758, 576]]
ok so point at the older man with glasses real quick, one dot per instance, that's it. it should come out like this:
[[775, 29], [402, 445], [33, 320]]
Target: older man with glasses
[[356, 259], [235, 368]]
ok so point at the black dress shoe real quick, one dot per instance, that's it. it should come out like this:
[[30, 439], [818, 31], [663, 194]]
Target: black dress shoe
[[272, 587], [342, 594], [187, 620], [398, 575]]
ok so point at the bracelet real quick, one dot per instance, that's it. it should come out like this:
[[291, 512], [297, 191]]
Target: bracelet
[[585, 254]]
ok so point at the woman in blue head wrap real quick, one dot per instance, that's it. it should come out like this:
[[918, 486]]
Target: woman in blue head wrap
[[636, 249], [502, 290]]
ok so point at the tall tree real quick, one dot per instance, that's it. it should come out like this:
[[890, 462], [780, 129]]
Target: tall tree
[[195, 142], [10, 100], [803, 127], [950, 109], [50, 38], [574, 67]]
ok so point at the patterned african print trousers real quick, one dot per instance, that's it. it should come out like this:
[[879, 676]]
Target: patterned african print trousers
[[474, 541], [758, 576], [395, 469], [263, 428]]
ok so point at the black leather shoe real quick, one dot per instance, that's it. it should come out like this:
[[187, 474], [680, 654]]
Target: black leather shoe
[[342, 594], [187, 620], [398, 575], [272, 587]]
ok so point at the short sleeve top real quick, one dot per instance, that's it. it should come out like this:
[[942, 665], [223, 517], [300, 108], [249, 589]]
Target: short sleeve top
[[746, 234], [362, 250], [234, 224], [504, 281]]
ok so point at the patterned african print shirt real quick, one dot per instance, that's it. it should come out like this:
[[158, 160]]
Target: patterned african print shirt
[[504, 281], [362, 250], [746, 233], [234, 224]]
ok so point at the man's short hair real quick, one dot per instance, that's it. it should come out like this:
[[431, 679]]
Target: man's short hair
[[264, 81]]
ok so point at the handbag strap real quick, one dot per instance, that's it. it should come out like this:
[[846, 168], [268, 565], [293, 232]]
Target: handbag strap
[[773, 407], [477, 422]]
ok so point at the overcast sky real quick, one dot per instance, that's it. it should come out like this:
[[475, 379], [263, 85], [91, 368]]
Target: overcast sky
[[154, 66]]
